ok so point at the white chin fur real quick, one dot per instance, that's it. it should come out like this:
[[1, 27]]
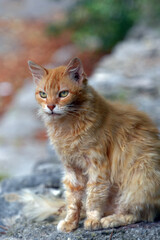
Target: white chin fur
[[56, 110], [47, 115]]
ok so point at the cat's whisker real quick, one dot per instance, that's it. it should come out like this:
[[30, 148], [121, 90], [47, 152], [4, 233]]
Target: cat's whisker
[[84, 111], [81, 109], [72, 114]]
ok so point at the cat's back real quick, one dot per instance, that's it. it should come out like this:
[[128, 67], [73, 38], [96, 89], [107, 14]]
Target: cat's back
[[125, 118], [121, 115]]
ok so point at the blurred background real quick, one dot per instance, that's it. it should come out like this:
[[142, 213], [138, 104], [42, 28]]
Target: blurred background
[[117, 41]]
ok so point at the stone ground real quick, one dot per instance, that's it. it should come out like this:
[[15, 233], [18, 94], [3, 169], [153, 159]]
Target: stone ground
[[130, 74], [42, 181], [47, 231]]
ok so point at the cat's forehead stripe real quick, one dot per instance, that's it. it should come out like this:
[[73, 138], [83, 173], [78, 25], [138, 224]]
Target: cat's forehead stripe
[[47, 82], [52, 81]]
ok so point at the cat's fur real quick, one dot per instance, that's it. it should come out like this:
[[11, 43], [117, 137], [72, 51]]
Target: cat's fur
[[110, 152]]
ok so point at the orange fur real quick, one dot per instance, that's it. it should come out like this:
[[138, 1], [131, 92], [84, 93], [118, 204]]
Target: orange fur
[[110, 151]]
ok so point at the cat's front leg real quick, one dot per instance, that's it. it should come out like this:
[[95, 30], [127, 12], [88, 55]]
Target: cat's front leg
[[97, 193], [74, 192]]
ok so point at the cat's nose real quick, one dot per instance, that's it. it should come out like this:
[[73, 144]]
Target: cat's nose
[[51, 107]]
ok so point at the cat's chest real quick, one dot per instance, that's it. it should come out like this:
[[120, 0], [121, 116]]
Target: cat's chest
[[68, 146], [73, 145], [71, 149]]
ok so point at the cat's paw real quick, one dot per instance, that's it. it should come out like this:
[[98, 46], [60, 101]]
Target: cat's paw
[[66, 226], [107, 222], [111, 221], [118, 220], [92, 224]]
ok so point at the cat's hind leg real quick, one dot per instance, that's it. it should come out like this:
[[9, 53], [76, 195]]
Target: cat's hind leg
[[139, 195], [117, 220]]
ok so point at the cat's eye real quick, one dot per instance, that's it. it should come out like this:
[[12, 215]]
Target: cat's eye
[[43, 94], [63, 94]]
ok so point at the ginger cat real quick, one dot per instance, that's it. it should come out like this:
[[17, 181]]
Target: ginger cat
[[110, 152]]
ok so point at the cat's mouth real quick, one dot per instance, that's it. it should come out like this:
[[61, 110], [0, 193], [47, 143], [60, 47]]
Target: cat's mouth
[[53, 114]]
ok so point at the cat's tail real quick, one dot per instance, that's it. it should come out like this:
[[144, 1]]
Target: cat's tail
[[38, 207]]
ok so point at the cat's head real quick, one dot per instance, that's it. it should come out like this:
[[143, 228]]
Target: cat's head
[[59, 90]]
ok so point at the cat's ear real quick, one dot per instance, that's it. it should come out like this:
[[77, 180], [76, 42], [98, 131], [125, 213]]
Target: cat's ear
[[38, 72], [75, 70]]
